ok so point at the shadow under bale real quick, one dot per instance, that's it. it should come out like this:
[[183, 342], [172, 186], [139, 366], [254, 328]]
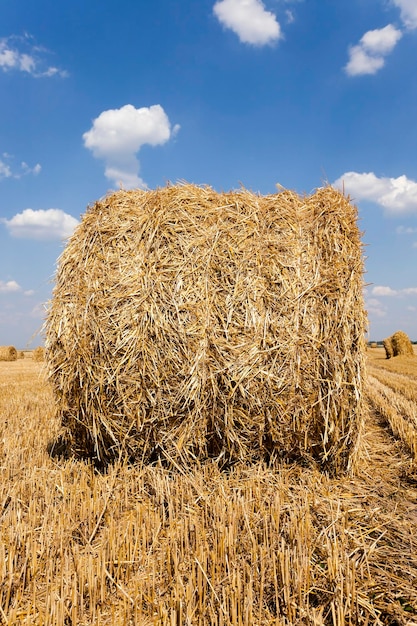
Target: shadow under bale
[[193, 324]]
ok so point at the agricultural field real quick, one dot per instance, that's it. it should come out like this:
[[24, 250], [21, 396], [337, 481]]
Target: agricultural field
[[253, 546]]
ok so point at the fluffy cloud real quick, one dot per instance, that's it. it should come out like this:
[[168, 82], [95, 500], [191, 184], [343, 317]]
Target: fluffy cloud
[[381, 41], [369, 55], [380, 290], [44, 224], [249, 19], [396, 195], [20, 54], [118, 134], [9, 286], [408, 9]]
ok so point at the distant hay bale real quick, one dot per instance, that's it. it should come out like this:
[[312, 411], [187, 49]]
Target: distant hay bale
[[21, 355], [38, 354], [398, 344], [190, 324], [389, 351], [8, 353], [373, 344]]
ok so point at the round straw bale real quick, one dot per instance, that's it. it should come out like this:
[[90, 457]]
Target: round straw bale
[[401, 344], [189, 324], [8, 353], [389, 350], [38, 354], [21, 355]]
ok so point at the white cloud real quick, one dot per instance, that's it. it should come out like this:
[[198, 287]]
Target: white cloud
[[360, 62], [381, 41], [406, 230], [375, 308], [249, 19], [9, 286], [118, 134], [290, 16], [6, 170], [396, 195], [380, 290], [30, 170], [122, 176], [20, 54], [53, 71], [44, 224], [376, 312], [408, 9], [373, 302], [369, 55]]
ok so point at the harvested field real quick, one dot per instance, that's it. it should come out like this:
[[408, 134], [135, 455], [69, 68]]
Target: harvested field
[[393, 394], [405, 364], [252, 546]]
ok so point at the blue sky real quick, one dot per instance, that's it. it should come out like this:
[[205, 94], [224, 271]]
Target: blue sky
[[226, 92]]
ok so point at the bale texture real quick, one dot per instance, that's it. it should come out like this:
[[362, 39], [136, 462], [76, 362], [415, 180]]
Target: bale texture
[[8, 353], [389, 350], [38, 354], [192, 324], [398, 344]]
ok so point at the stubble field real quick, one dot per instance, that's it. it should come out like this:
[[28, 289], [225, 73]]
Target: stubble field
[[252, 546]]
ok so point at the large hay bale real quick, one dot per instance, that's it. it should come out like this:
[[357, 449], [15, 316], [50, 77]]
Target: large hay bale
[[8, 353], [191, 324], [400, 345]]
